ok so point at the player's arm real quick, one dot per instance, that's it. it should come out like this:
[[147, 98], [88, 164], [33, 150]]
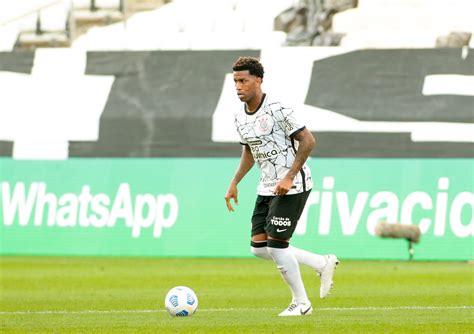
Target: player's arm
[[306, 144], [246, 163]]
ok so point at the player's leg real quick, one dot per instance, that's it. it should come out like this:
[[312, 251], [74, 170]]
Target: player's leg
[[289, 269], [324, 265], [258, 243], [258, 246], [281, 222], [278, 251], [313, 260]]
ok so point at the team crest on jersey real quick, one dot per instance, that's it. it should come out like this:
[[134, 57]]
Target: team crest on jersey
[[265, 124]]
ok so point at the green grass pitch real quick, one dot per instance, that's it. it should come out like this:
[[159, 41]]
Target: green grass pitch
[[126, 295]]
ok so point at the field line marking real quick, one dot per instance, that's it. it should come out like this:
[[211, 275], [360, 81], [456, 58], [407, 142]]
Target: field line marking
[[367, 308]]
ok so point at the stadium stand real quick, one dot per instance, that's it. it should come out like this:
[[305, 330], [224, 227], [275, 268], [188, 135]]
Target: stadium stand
[[42, 23], [402, 23], [234, 24], [118, 24], [185, 24], [89, 13], [121, 92], [30, 24]]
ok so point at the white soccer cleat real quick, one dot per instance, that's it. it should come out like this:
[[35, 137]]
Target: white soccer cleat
[[327, 274], [297, 310]]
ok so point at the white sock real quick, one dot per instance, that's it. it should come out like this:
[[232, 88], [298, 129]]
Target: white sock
[[261, 252], [290, 271], [312, 260]]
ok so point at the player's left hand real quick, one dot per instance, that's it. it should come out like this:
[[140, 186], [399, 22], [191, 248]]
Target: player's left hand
[[283, 186]]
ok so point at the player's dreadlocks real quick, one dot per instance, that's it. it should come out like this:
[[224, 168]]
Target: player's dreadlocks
[[251, 64]]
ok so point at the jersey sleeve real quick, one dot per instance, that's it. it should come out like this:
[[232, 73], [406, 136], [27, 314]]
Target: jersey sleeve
[[241, 138], [291, 123]]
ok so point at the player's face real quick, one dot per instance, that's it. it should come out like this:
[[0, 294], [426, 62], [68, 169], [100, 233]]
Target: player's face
[[246, 85]]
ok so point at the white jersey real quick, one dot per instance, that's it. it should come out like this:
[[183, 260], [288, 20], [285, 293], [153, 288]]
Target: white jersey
[[268, 132]]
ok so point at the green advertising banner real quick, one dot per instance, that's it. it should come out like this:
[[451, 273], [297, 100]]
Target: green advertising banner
[[175, 207]]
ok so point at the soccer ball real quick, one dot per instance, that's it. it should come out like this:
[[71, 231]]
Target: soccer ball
[[181, 301]]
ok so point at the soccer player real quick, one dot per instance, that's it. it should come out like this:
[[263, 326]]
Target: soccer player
[[274, 138]]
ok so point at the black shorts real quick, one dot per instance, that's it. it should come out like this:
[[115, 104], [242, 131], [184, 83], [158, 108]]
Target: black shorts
[[277, 216]]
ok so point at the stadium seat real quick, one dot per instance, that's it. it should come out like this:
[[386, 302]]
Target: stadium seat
[[402, 20], [263, 8], [20, 23], [402, 23], [25, 21], [111, 37], [389, 39], [55, 18], [235, 41], [387, 5], [81, 3], [108, 4], [229, 22], [192, 22], [254, 23], [8, 37], [142, 30], [113, 4], [12, 12], [53, 15]]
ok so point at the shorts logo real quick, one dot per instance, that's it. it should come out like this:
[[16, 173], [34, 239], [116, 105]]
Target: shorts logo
[[281, 230], [280, 221]]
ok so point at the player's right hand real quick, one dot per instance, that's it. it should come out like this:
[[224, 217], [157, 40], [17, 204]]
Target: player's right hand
[[231, 193]]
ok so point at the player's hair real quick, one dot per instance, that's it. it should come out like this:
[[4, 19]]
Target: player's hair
[[250, 64]]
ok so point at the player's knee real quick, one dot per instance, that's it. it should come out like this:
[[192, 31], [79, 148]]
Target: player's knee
[[259, 249], [259, 237], [278, 250]]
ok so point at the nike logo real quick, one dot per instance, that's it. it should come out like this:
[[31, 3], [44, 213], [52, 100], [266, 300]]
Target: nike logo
[[304, 312], [282, 230]]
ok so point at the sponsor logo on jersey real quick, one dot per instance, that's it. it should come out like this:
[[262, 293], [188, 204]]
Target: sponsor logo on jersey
[[269, 184], [280, 221], [265, 155], [288, 125], [254, 142]]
